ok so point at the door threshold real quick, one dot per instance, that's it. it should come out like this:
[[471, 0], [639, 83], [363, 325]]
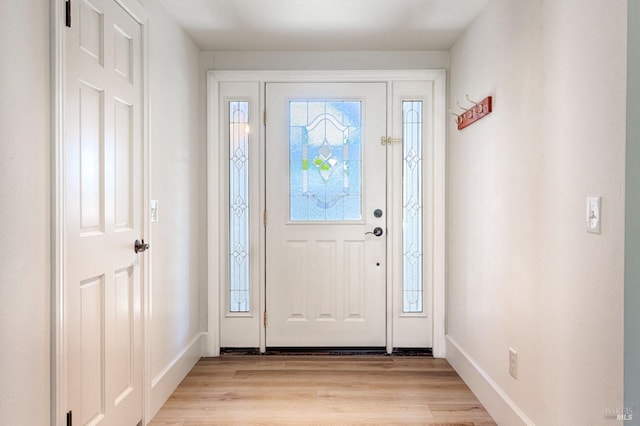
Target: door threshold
[[327, 351]]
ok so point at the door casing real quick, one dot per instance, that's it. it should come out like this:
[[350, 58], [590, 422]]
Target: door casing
[[215, 204]]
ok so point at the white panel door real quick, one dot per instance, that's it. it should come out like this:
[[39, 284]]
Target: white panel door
[[103, 215], [325, 180]]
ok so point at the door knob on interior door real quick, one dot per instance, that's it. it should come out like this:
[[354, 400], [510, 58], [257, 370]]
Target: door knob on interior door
[[376, 231], [140, 246]]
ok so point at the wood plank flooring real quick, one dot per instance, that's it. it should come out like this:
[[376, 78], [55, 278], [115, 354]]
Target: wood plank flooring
[[322, 390]]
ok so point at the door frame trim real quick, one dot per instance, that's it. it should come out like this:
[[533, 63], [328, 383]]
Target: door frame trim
[[214, 195], [57, 344]]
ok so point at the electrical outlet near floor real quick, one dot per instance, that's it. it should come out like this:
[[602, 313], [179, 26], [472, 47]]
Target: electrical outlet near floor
[[513, 363]]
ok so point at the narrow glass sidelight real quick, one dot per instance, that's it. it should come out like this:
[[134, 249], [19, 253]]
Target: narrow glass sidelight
[[325, 160], [239, 206], [412, 283]]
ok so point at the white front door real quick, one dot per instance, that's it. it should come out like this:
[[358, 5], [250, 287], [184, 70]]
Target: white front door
[[326, 214], [102, 215]]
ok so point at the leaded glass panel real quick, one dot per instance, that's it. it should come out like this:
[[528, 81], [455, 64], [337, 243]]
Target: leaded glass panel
[[412, 207], [239, 206], [325, 160]]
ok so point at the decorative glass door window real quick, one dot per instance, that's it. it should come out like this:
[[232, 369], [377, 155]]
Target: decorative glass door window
[[325, 160], [412, 286], [239, 206]]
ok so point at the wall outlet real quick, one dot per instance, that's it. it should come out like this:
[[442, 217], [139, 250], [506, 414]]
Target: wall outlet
[[513, 363]]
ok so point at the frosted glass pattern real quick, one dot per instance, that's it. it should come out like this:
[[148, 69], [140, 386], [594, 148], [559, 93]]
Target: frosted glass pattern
[[239, 206], [412, 207], [325, 160]]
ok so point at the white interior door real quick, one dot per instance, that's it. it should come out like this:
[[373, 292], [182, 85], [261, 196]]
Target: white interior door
[[326, 194], [102, 215]]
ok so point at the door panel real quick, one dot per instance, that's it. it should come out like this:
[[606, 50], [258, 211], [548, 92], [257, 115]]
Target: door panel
[[91, 338], [124, 147], [103, 214], [326, 174]]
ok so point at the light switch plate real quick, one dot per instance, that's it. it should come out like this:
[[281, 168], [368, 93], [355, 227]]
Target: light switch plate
[[154, 211], [594, 213], [513, 363]]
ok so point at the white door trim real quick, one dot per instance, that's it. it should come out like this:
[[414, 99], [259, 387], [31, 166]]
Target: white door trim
[[57, 343], [215, 231]]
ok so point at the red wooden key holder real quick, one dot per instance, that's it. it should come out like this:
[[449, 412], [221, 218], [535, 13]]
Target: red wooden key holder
[[469, 116]]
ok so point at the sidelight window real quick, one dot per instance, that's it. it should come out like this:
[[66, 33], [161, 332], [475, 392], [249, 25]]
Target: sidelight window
[[239, 206], [412, 285]]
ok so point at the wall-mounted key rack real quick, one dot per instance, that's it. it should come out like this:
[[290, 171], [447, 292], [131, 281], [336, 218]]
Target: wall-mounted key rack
[[471, 115]]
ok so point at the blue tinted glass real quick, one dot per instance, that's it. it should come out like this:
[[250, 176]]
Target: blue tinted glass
[[325, 160], [412, 207], [239, 206]]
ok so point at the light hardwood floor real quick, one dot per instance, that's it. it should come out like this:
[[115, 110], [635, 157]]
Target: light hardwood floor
[[322, 390]]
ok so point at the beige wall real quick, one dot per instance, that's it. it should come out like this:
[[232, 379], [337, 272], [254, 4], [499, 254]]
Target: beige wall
[[332, 60], [178, 182], [24, 212], [522, 270]]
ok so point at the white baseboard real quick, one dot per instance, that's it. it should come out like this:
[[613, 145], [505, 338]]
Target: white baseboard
[[502, 408], [165, 382]]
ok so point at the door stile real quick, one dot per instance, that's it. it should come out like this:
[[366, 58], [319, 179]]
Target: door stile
[[391, 214], [263, 208], [215, 220], [439, 83]]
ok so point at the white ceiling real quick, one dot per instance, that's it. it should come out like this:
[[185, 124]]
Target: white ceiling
[[324, 24]]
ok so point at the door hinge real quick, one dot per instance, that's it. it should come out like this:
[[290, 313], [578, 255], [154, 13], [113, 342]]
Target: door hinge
[[69, 418], [264, 318], [264, 117], [264, 218], [67, 18]]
